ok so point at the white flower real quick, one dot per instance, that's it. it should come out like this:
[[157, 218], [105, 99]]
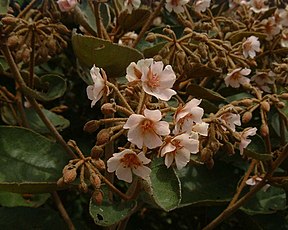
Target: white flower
[[244, 138], [128, 39], [179, 149], [253, 180], [201, 128], [147, 130], [258, 6], [158, 82], [96, 91], [270, 27], [250, 47], [126, 162], [66, 5], [134, 71], [175, 5], [185, 117], [131, 4], [230, 119], [201, 5], [236, 77], [263, 79]]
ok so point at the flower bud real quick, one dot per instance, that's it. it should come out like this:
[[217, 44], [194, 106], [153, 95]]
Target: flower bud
[[83, 187], [151, 37], [264, 130], [284, 96], [265, 106], [9, 20], [96, 152], [157, 58], [12, 41], [103, 136], [69, 175], [99, 164], [97, 197], [280, 104], [215, 145], [108, 108], [60, 182], [206, 154], [246, 102], [188, 30], [95, 180], [229, 148], [247, 116], [91, 126]]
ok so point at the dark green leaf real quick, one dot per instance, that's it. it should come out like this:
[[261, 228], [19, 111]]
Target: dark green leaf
[[150, 52], [4, 6], [277, 221], [197, 70], [30, 163], [3, 64], [113, 58], [256, 149], [164, 187], [108, 214], [264, 202], [203, 93], [9, 199]]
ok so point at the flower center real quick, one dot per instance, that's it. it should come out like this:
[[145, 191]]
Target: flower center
[[259, 4], [147, 125], [247, 45], [130, 160], [153, 79], [175, 2], [236, 76]]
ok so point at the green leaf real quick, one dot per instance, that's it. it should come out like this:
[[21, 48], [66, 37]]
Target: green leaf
[[30, 163], [25, 218], [277, 221], [150, 52], [164, 187], [4, 6], [113, 58], [203, 93], [3, 64], [264, 202], [197, 70], [9, 199], [256, 149], [201, 186], [108, 214]]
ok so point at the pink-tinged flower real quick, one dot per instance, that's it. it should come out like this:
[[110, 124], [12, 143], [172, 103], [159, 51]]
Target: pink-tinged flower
[[128, 39], [66, 5], [250, 47], [283, 14], [126, 162], [284, 38], [263, 79], [201, 128], [201, 5], [175, 5], [254, 180], [244, 138], [99, 88], [179, 149], [258, 6], [270, 27], [230, 119], [186, 117], [131, 5], [158, 82], [134, 71], [147, 130], [236, 77]]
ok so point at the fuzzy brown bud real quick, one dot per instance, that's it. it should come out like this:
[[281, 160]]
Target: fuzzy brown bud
[[247, 116], [280, 104], [264, 130], [284, 96], [83, 187], [108, 108], [103, 136], [12, 41], [215, 145], [95, 180], [69, 173], [151, 37], [97, 197], [91, 126], [96, 152], [60, 182], [99, 164], [157, 58], [9, 20], [229, 148], [187, 30], [246, 102], [206, 154], [265, 106]]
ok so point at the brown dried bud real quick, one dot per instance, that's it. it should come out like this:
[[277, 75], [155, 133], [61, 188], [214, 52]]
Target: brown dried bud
[[215, 145], [265, 106], [181, 56], [26, 55], [96, 152], [95, 181], [99, 164], [91, 126], [157, 58], [284, 96], [103, 136], [9, 20], [60, 182], [202, 49], [264, 130], [229, 148], [167, 30], [247, 116], [83, 187], [52, 45], [12, 41], [246, 102], [97, 197], [151, 37], [108, 108], [62, 29], [206, 154], [280, 104], [187, 30], [69, 173]]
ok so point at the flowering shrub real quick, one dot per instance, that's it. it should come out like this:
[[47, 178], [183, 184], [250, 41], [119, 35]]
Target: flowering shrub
[[135, 105]]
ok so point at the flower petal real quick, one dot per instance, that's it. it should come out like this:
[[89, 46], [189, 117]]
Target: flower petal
[[124, 174]]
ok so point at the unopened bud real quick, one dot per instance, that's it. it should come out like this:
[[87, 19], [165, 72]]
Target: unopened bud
[[26, 55], [157, 58], [264, 130], [103, 136], [284, 96], [99, 164], [108, 108], [265, 106], [70, 175], [246, 102], [168, 30], [206, 154], [95, 180], [91, 126], [12, 41], [97, 197], [83, 187], [60, 182], [96, 152], [229, 148], [280, 104], [180, 55], [9, 20], [247, 116], [187, 30], [215, 145], [151, 37]]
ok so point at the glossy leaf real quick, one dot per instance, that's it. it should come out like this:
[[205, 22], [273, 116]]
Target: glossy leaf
[[113, 58], [9, 199], [108, 214], [4, 6], [164, 187], [201, 186], [30, 163], [265, 202], [203, 93]]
